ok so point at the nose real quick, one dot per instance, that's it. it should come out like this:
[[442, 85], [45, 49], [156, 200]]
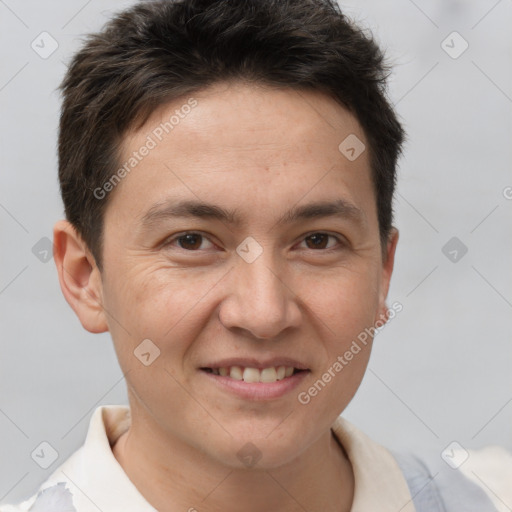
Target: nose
[[260, 300]]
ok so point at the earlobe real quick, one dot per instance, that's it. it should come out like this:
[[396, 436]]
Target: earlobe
[[79, 277]]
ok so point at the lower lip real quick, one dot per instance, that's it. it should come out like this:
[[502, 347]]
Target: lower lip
[[257, 390]]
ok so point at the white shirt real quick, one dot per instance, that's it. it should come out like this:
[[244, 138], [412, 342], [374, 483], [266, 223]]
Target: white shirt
[[92, 479]]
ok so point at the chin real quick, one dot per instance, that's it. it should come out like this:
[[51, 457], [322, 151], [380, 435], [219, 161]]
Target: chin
[[259, 452]]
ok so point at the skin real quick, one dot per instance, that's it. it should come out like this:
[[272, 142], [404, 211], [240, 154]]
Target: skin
[[259, 151]]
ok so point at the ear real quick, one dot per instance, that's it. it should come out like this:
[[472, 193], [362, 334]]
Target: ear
[[387, 270], [79, 277]]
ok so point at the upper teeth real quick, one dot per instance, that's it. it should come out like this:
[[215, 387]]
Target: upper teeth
[[271, 374]]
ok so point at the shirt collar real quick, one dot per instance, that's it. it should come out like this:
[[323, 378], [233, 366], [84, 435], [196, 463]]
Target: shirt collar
[[379, 482], [99, 483]]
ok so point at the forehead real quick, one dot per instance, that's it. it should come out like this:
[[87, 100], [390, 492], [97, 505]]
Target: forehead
[[247, 145], [228, 112]]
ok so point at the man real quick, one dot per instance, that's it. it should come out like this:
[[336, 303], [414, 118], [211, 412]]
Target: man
[[227, 170]]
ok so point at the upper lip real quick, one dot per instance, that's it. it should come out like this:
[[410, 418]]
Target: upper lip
[[251, 362]]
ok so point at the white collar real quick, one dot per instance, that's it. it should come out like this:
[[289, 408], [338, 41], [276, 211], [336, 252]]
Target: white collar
[[379, 482], [98, 483]]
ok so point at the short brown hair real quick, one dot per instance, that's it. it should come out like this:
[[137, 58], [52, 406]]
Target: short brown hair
[[158, 51]]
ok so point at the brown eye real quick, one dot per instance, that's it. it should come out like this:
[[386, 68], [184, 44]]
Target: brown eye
[[318, 240], [188, 241]]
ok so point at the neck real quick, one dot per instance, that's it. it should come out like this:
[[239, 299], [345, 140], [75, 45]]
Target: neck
[[181, 478]]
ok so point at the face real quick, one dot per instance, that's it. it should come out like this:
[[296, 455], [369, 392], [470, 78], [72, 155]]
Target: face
[[281, 267]]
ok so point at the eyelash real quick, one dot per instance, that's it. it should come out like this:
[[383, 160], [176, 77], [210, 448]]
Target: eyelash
[[341, 242]]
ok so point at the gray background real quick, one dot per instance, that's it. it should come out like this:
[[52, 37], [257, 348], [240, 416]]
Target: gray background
[[440, 371]]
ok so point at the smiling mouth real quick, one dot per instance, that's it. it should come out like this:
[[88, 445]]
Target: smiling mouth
[[252, 375]]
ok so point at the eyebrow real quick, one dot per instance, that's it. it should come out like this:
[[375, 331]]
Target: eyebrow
[[197, 209]]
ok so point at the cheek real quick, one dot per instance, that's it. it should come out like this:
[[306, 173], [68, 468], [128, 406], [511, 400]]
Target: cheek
[[343, 308], [155, 302], [145, 293], [345, 301], [164, 306]]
